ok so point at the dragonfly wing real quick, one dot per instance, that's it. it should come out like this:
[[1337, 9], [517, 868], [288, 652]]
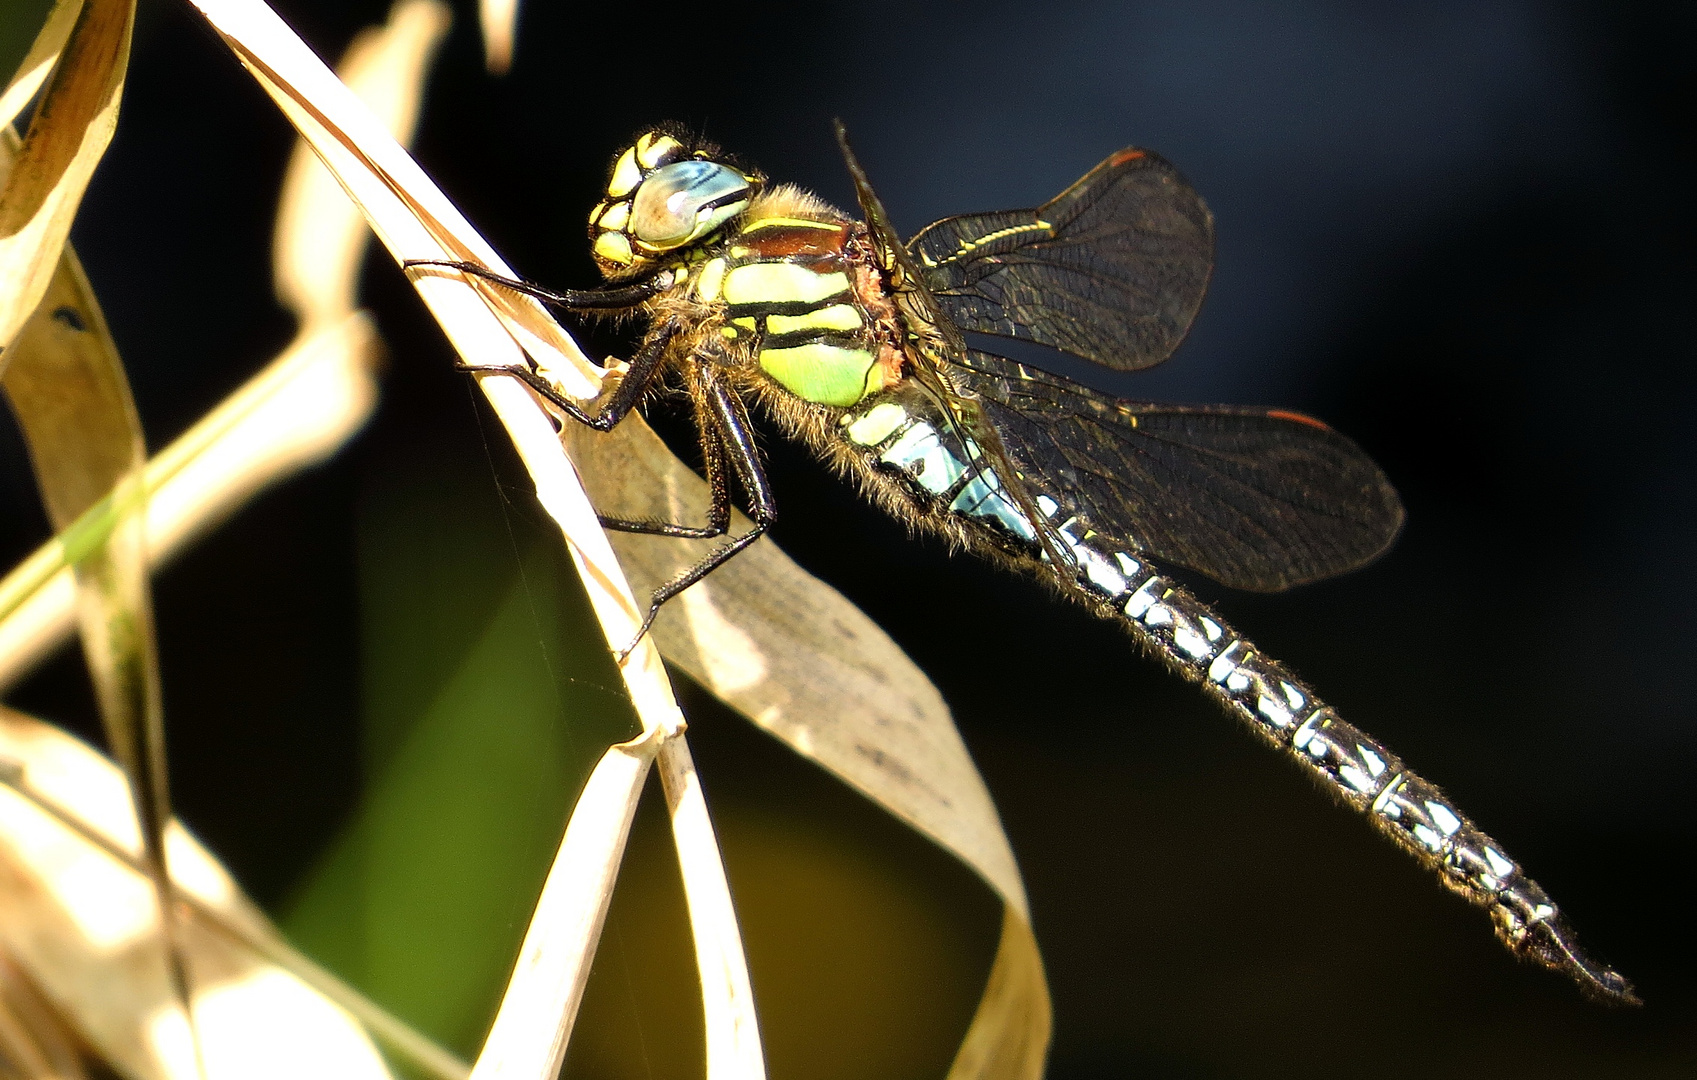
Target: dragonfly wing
[[1256, 499], [1112, 269], [887, 247]]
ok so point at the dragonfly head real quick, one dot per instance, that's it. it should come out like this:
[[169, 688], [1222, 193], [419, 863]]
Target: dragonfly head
[[663, 195]]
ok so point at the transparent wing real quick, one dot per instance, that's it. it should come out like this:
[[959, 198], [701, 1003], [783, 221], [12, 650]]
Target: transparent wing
[[1112, 269], [1256, 499]]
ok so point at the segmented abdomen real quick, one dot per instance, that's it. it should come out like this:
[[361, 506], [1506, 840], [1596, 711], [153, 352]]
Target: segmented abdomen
[[941, 468]]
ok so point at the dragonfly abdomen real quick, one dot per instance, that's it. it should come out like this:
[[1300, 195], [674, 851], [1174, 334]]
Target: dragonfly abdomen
[[941, 468], [944, 472], [794, 294], [1362, 772]]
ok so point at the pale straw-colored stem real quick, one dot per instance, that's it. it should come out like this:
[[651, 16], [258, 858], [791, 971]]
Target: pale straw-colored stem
[[416, 221]]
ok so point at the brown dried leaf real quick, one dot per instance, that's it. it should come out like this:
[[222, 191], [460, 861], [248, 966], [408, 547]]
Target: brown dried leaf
[[790, 653], [35, 1043], [69, 133], [38, 62], [78, 913], [320, 236], [494, 330], [733, 1048], [499, 22], [67, 387], [529, 1036]]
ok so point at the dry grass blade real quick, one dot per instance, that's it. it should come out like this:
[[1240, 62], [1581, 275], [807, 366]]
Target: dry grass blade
[[410, 215], [415, 221], [499, 22], [301, 408], [733, 1041], [553, 963], [733, 1037], [1009, 1035], [38, 62], [35, 1044], [798, 659], [320, 236], [296, 412], [305, 405], [76, 910], [68, 389], [72, 400], [67, 136]]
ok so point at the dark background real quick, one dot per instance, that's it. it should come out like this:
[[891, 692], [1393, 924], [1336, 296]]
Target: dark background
[[1461, 233]]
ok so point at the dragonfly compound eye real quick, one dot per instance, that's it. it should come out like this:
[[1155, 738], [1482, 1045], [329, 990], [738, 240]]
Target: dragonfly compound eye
[[685, 201]]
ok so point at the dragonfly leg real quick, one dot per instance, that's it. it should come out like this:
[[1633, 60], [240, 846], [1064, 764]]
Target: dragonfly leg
[[718, 511], [724, 421], [611, 298], [637, 378]]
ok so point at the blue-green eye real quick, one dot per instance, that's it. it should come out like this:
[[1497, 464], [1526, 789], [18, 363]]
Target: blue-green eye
[[685, 201]]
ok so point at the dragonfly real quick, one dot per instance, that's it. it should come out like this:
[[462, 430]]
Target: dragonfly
[[854, 342]]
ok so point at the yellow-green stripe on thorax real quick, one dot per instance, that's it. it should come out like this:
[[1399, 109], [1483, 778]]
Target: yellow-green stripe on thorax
[[788, 289]]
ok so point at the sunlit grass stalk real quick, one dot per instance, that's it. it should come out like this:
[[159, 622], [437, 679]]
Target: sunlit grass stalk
[[416, 222]]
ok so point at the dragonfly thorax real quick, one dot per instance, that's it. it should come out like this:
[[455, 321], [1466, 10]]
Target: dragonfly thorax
[[796, 290]]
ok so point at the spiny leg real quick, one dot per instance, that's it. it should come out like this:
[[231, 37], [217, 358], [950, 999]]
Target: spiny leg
[[720, 412], [639, 375], [723, 418], [609, 298], [718, 511]]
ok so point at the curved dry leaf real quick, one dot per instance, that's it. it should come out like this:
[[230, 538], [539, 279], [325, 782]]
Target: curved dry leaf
[[793, 655], [1009, 1035], [295, 413], [73, 379], [489, 330], [499, 22], [38, 62], [320, 236], [68, 134], [529, 1036], [796, 657], [85, 925], [35, 1043], [72, 400], [733, 1048]]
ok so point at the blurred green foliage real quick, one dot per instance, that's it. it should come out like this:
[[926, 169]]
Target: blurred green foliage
[[487, 698], [474, 753]]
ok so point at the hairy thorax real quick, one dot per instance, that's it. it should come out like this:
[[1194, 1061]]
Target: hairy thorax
[[794, 309], [790, 303]]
